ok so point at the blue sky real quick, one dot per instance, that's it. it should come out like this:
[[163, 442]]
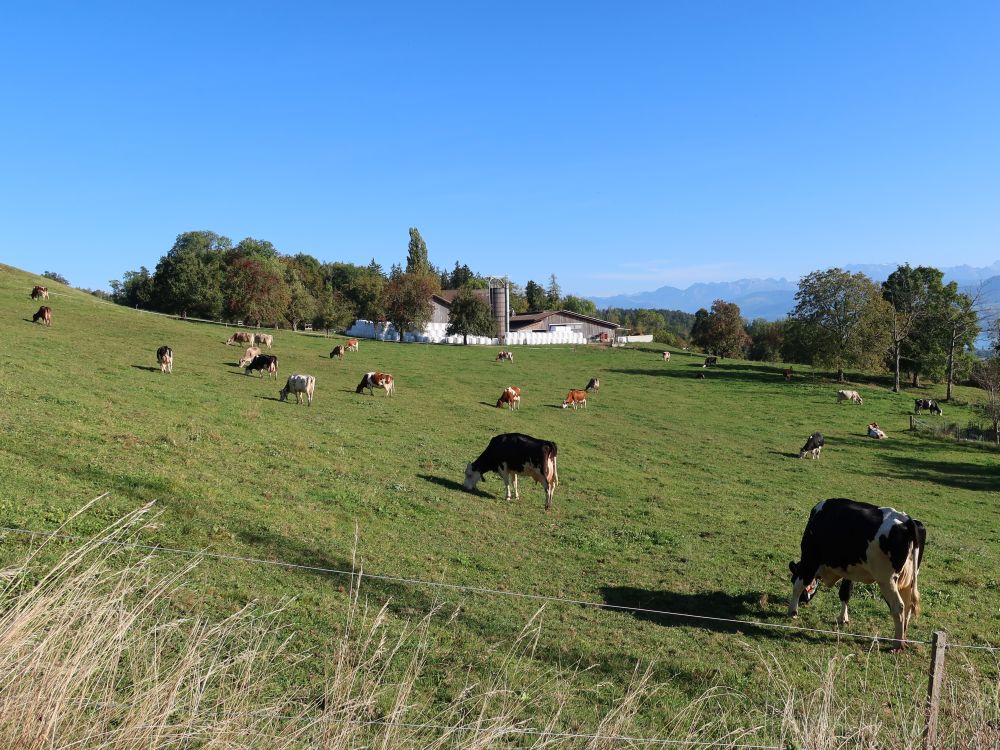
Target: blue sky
[[620, 146]]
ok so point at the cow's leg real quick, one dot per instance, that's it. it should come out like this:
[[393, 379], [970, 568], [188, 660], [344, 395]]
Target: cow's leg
[[505, 476], [891, 594], [846, 587], [549, 490], [517, 494]]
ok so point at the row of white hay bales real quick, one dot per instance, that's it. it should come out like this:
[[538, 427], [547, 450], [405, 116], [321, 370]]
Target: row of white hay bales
[[435, 333]]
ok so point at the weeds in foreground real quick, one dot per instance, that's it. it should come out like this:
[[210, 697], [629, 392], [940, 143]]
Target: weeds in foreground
[[93, 655]]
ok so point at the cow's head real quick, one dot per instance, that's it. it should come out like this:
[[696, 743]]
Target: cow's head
[[472, 478], [283, 394], [810, 588]]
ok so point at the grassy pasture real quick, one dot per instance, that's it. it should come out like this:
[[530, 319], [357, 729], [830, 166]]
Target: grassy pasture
[[675, 493]]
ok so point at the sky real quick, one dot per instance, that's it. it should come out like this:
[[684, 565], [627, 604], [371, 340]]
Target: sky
[[620, 146]]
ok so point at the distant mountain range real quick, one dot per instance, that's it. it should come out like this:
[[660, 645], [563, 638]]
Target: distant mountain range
[[773, 299]]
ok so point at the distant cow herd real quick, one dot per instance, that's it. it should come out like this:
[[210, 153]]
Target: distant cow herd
[[844, 541]]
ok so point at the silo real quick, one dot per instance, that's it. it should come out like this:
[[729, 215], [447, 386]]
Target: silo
[[500, 307]]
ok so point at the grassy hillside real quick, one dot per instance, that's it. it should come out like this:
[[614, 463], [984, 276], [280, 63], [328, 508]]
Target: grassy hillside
[[675, 493]]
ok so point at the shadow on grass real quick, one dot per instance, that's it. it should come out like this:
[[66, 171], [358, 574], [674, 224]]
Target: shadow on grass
[[957, 474], [707, 604], [401, 598], [718, 372], [783, 454], [451, 484], [147, 369]]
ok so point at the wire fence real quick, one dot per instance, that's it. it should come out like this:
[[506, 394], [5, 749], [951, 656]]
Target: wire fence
[[482, 590], [974, 432]]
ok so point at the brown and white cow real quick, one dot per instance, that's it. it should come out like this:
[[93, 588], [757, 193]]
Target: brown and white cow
[[40, 292], [876, 432], [509, 356], [240, 337], [510, 397], [262, 338], [248, 356], [373, 380], [44, 314], [787, 372], [165, 356], [352, 345], [666, 356], [576, 398], [338, 351], [849, 396]]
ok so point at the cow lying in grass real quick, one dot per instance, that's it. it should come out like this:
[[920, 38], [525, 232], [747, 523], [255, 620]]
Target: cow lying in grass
[[853, 396]]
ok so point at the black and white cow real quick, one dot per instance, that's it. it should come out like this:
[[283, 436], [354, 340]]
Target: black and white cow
[[711, 361], [850, 542], [512, 454], [263, 363], [926, 403], [814, 445]]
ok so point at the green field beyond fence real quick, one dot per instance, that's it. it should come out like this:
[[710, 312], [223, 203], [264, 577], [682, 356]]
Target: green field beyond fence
[[677, 494]]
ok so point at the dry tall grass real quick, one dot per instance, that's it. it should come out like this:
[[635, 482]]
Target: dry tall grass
[[92, 657]]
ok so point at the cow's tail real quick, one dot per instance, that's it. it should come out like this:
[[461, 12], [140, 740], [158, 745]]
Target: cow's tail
[[549, 453], [918, 539]]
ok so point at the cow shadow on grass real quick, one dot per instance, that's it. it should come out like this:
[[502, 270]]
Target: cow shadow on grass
[[451, 484], [956, 474], [713, 606], [783, 454], [146, 368], [400, 598], [719, 372]]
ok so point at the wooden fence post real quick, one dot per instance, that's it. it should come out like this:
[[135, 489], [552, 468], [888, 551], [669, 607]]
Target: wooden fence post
[[939, 645], [912, 426]]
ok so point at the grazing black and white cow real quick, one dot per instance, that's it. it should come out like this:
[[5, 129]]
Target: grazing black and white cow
[[263, 363], [814, 445], [594, 384], [711, 361], [926, 403], [512, 454], [852, 542], [165, 356]]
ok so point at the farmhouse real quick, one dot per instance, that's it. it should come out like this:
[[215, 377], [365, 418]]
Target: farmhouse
[[547, 327]]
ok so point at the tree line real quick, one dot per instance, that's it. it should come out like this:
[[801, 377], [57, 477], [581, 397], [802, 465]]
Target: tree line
[[912, 324], [206, 275]]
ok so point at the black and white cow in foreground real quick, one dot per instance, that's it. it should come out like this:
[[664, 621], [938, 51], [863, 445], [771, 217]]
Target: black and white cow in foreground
[[852, 542], [512, 454], [926, 403], [814, 445], [299, 384], [263, 363]]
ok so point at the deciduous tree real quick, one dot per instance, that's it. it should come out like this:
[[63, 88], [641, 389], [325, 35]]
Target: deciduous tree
[[256, 290], [407, 300], [470, 315], [842, 320]]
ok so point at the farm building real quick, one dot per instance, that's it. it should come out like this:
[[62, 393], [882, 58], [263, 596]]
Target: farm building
[[548, 327], [554, 321]]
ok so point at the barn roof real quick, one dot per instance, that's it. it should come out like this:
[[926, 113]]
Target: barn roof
[[447, 296], [520, 321]]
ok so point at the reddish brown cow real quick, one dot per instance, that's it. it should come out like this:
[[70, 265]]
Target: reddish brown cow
[[40, 292], [352, 345], [45, 314], [576, 398], [511, 396]]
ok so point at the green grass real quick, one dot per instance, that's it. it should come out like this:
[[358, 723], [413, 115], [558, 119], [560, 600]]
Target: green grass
[[675, 493]]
